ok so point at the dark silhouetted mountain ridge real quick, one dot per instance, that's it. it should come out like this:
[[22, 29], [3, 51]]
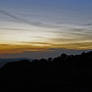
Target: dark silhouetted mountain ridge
[[63, 73]]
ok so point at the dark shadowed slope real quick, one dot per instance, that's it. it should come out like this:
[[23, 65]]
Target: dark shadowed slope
[[64, 73]]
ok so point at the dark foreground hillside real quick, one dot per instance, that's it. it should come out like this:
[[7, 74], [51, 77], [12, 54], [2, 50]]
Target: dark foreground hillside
[[62, 74]]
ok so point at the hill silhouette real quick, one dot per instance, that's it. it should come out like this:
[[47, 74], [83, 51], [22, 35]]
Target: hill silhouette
[[63, 73]]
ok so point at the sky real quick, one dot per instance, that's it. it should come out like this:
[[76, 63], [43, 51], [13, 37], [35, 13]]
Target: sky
[[44, 25]]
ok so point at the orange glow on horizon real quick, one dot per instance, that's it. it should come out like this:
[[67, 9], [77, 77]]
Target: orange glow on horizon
[[13, 48]]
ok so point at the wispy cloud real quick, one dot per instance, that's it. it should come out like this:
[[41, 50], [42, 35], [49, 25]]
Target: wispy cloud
[[14, 17], [20, 19]]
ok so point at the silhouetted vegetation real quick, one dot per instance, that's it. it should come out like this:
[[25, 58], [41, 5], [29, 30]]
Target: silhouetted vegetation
[[63, 73]]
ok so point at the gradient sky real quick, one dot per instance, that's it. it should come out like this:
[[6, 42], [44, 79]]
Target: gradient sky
[[41, 25]]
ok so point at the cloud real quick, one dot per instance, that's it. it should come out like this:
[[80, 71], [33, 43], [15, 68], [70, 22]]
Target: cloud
[[20, 19], [64, 36], [88, 24], [19, 48], [14, 17], [10, 28]]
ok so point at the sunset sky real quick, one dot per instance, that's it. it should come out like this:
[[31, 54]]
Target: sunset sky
[[42, 25]]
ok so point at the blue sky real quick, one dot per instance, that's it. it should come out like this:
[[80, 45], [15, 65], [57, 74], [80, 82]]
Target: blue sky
[[68, 11]]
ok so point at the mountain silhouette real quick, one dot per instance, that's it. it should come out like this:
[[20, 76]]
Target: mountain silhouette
[[63, 73]]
